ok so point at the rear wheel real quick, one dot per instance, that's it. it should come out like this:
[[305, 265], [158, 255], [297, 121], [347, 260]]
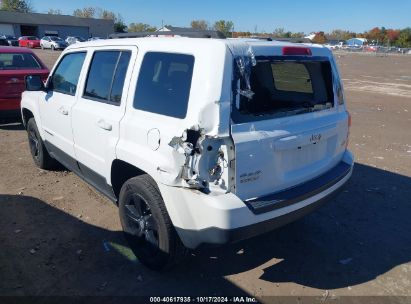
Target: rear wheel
[[147, 225], [38, 151]]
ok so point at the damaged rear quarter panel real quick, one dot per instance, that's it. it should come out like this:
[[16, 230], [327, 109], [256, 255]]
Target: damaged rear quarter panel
[[208, 113]]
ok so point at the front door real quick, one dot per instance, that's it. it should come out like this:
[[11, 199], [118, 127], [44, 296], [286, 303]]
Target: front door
[[56, 106]]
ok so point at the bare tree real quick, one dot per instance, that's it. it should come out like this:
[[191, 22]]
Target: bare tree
[[86, 12], [224, 26], [54, 12], [22, 6], [199, 24], [141, 27]]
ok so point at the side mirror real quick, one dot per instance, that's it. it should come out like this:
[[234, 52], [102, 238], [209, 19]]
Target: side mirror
[[34, 83]]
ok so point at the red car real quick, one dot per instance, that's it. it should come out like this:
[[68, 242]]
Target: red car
[[15, 64], [29, 41]]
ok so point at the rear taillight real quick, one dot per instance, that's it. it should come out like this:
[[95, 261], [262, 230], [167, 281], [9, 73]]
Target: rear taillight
[[296, 50]]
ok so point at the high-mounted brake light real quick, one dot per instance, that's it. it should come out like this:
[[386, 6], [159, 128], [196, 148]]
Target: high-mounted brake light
[[296, 50]]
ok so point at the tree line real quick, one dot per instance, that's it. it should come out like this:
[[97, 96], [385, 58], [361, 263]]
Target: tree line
[[377, 35]]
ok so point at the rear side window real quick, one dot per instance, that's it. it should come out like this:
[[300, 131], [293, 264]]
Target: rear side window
[[65, 77], [16, 61], [164, 83], [106, 76]]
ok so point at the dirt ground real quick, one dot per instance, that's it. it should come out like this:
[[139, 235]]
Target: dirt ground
[[59, 237]]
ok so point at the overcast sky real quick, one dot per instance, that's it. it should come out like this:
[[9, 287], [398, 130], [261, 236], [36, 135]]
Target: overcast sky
[[265, 15]]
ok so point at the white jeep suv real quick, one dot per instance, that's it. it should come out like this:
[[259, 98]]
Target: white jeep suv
[[198, 141]]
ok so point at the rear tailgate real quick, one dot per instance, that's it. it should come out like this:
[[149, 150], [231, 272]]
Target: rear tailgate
[[273, 155], [292, 129]]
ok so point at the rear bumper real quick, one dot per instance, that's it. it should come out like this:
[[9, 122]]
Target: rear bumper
[[9, 108], [203, 219], [10, 104], [10, 114], [223, 236]]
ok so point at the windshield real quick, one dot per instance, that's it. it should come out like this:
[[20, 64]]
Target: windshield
[[16, 61], [56, 39], [81, 39], [10, 37], [287, 87], [32, 38]]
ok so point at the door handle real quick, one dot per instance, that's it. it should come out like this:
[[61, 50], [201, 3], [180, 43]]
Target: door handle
[[104, 125], [63, 111]]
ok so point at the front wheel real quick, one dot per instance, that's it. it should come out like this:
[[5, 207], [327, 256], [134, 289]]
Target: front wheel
[[38, 151], [147, 225]]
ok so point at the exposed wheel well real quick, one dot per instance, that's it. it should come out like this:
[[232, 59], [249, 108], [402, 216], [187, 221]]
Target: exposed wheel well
[[27, 114], [120, 173]]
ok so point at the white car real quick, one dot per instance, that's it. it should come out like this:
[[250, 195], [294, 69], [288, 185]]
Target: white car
[[53, 43], [198, 141]]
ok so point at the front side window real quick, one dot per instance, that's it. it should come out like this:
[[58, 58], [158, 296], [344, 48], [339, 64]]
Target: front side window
[[164, 83], [65, 77], [106, 76]]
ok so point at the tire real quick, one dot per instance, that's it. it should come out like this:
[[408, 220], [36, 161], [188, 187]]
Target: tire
[[38, 151], [147, 225]]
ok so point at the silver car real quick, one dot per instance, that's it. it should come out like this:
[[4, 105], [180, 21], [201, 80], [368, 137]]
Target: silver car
[[53, 43], [74, 39]]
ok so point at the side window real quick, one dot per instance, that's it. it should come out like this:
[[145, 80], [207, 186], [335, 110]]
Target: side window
[[119, 76], [164, 83], [105, 79], [67, 73]]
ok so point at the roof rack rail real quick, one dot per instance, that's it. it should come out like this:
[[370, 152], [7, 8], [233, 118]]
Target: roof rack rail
[[293, 40], [186, 33]]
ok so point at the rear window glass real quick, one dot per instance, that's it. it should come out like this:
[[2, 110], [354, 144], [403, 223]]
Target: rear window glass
[[287, 88], [164, 83], [16, 61], [292, 77]]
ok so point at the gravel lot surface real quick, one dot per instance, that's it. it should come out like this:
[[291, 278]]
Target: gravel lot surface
[[59, 237]]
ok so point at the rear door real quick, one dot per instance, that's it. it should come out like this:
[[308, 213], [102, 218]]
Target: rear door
[[100, 107], [291, 130]]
